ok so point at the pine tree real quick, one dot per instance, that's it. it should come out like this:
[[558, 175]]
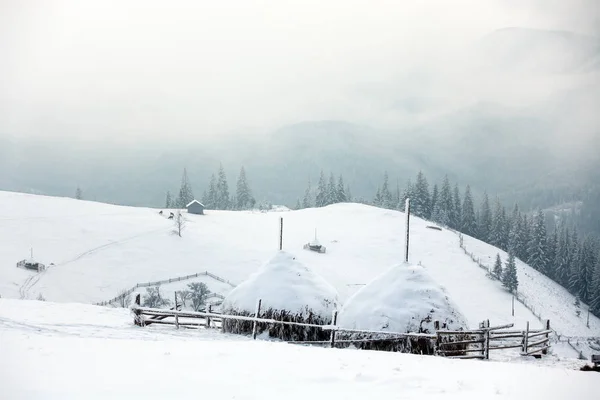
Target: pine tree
[[497, 271], [421, 204], [386, 195], [456, 211], [341, 191], [348, 194], [79, 193], [447, 207], [574, 275], [434, 200], [538, 250], [469, 223], [298, 205], [495, 237], [437, 214], [378, 199], [562, 269], [587, 263], [525, 236], [407, 194], [595, 296], [485, 220], [396, 197], [552, 245], [169, 200], [307, 201], [509, 279], [321, 199], [331, 190], [243, 194], [211, 200], [514, 232], [186, 195], [223, 201]]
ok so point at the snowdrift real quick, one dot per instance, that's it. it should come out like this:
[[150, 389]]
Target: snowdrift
[[403, 299], [289, 291]]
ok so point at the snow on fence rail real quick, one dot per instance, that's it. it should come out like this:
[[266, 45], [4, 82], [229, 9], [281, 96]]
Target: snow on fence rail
[[171, 280], [452, 344]]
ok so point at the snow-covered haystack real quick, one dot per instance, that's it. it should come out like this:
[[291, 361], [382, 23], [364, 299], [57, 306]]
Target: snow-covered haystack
[[403, 299], [289, 292]]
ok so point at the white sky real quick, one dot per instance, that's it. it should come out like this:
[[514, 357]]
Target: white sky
[[123, 69]]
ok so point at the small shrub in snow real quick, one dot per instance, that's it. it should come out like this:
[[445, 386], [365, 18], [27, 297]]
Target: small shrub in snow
[[154, 299], [198, 294], [41, 297], [184, 296]]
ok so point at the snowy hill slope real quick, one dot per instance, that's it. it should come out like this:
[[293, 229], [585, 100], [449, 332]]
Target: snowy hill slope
[[100, 249], [546, 298], [75, 351]]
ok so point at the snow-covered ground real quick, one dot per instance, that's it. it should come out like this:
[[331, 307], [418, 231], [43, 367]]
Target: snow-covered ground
[[77, 351], [547, 299], [100, 249]]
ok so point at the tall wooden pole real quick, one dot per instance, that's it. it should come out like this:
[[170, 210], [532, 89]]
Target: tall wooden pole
[[281, 233], [513, 305], [407, 212]]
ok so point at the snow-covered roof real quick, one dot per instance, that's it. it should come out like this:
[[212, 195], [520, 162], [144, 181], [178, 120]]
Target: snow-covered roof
[[284, 284], [402, 299], [314, 242], [194, 201]]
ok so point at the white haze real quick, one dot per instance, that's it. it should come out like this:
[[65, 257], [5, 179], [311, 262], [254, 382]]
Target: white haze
[[118, 70]]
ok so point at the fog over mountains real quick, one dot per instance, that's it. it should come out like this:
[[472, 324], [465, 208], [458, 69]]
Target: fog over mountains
[[121, 112]]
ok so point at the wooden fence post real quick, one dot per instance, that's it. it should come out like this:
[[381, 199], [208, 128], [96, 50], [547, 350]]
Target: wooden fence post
[[176, 321], [486, 343], [254, 327], [176, 300], [209, 309], [526, 339], [333, 331], [281, 233], [547, 344]]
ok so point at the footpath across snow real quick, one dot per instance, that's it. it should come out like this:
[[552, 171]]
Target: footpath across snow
[[65, 351]]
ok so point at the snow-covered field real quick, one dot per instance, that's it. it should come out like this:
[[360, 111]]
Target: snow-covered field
[[77, 351], [100, 249]]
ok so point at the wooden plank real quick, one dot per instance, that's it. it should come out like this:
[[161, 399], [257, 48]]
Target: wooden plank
[[526, 338], [540, 333], [478, 356], [495, 328], [460, 351], [476, 332], [538, 342], [511, 336], [256, 314], [333, 319], [536, 351], [516, 346], [462, 342]]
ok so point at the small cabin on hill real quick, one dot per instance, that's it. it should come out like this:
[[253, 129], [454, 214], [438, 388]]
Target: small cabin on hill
[[31, 264], [195, 207]]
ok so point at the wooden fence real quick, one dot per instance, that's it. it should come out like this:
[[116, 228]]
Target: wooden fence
[[126, 293], [478, 343], [453, 344]]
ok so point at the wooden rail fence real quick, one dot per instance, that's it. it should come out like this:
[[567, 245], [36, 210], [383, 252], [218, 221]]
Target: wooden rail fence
[[469, 344], [171, 280]]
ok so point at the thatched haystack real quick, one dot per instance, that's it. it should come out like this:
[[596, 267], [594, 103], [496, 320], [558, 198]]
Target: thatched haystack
[[290, 292], [404, 299]]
